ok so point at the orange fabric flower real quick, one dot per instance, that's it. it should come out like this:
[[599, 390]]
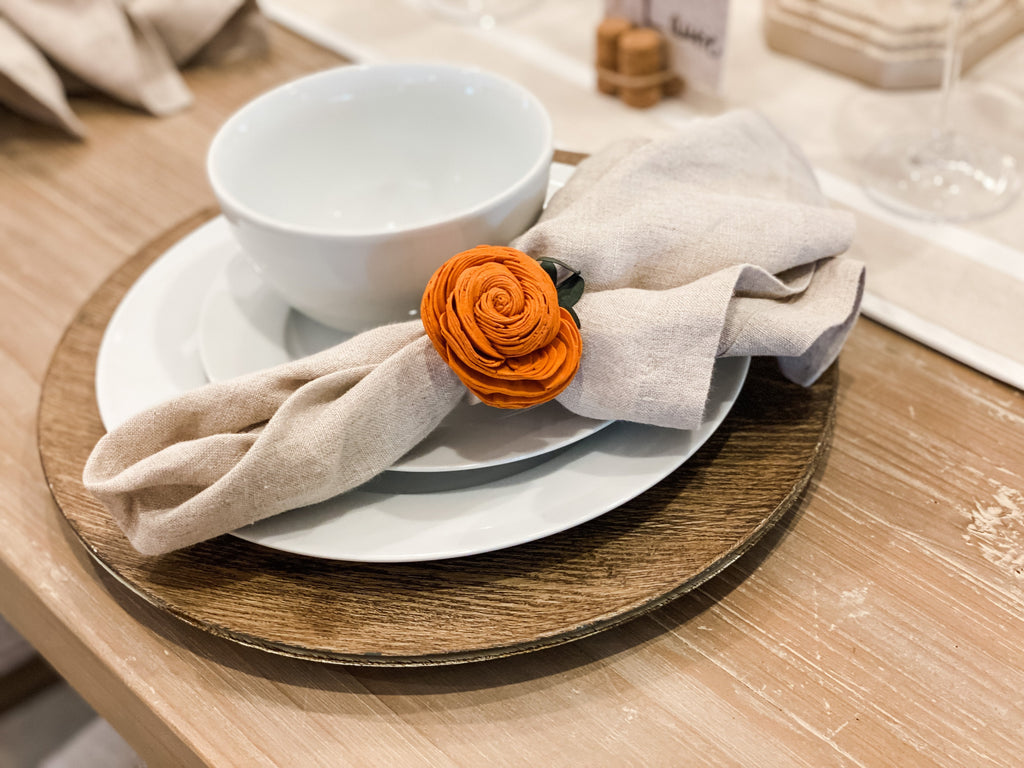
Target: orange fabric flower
[[492, 313]]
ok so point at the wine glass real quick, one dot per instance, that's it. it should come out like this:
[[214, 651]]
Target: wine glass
[[941, 173]]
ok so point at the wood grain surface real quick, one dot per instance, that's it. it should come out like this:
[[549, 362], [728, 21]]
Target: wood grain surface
[[563, 587], [878, 623]]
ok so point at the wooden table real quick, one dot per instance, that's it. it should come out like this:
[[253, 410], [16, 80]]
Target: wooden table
[[878, 624]]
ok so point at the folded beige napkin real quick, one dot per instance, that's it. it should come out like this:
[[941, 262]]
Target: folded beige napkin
[[713, 242], [127, 49]]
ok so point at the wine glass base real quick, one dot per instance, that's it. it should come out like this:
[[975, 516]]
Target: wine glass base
[[940, 176], [482, 13]]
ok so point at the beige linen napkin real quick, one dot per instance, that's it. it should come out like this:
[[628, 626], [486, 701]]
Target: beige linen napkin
[[713, 242], [127, 49], [29, 85]]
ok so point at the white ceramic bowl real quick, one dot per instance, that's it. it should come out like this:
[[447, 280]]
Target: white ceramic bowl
[[349, 187]]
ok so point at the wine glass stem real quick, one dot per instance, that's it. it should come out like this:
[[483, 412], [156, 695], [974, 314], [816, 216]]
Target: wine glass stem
[[951, 63]]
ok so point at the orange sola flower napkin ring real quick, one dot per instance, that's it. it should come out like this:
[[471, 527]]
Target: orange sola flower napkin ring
[[494, 315]]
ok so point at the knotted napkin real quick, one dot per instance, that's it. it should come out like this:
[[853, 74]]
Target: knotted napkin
[[129, 50], [713, 242]]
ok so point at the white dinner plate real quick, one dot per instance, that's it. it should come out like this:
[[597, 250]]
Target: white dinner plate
[[244, 327], [150, 353], [576, 485]]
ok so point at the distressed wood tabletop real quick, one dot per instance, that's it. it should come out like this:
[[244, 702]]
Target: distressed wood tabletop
[[878, 623]]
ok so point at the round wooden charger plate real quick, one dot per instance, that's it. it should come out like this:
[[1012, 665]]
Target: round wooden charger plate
[[561, 588]]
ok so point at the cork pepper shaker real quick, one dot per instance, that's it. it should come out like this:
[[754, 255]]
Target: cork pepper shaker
[[641, 52], [608, 33]]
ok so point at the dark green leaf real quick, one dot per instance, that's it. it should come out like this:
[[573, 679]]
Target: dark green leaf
[[570, 290], [559, 262], [551, 270]]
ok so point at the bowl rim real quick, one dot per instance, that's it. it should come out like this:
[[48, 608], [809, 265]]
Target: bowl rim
[[229, 202]]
